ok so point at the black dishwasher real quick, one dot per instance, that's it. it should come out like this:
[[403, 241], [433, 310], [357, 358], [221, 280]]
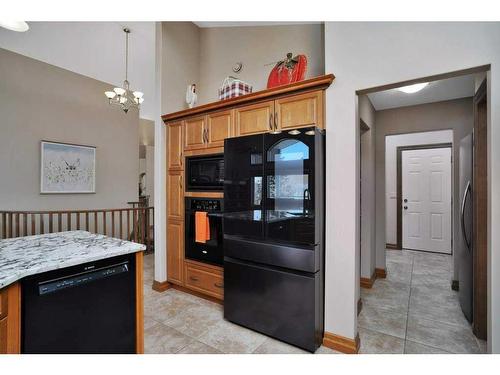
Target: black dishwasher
[[88, 308]]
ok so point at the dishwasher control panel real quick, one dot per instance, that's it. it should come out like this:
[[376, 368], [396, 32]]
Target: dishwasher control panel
[[52, 286]]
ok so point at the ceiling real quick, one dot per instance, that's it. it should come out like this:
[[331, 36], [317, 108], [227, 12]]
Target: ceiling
[[437, 91], [93, 49], [204, 24]]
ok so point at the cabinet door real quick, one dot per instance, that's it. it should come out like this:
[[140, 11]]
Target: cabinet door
[[175, 195], [219, 127], [253, 119], [194, 133], [300, 110], [3, 336], [175, 145], [175, 251]]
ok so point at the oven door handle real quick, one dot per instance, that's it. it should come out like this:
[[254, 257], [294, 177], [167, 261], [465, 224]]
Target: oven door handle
[[215, 214]]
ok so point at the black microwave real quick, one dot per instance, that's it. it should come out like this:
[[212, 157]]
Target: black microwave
[[205, 173]]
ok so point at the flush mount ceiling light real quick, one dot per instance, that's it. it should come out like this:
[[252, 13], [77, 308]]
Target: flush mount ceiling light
[[19, 26], [411, 89], [123, 96]]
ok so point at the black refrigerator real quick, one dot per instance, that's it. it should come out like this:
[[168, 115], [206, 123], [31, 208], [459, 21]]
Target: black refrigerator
[[273, 227], [465, 246]]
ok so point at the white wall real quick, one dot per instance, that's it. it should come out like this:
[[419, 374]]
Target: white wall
[[391, 144], [397, 52]]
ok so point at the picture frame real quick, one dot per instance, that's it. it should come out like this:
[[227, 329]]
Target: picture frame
[[67, 168]]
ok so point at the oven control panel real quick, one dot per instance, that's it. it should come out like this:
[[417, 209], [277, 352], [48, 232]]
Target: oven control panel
[[208, 205]]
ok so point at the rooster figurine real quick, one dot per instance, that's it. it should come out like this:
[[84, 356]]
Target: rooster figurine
[[191, 96]]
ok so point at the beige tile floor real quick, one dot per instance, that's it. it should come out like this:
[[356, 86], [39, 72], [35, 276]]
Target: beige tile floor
[[414, 310], [177, 322]]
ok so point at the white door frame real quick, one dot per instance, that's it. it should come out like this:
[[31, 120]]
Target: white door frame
[[399, 151]]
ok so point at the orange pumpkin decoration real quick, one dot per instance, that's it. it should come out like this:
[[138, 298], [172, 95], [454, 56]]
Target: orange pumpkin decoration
[[290, 70]]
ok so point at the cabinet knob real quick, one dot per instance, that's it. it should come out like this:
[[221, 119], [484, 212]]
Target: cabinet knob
[[192, 278], [219, 285], [275, 120]]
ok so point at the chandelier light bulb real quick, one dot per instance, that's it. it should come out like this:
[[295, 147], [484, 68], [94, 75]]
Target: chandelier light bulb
[[110, 94], [19, 26], [123, 99], [119, 91], [138, 94]]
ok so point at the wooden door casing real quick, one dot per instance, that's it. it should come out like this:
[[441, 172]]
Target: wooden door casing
[[175, 251], [219, 126], [300, 111], [175, 146], [254, 119], [194, 133]]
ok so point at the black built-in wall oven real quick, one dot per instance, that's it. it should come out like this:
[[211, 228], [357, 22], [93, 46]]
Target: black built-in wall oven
[[205, 173], [212, 251]]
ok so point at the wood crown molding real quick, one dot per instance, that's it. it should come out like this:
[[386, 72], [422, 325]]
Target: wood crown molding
[[160, 286], [321, 82], [381, 273], [341, 343]]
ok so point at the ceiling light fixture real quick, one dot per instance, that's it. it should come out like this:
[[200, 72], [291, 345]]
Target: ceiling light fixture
[[19, 26], [294, 132], [122, 96], [411, 89]]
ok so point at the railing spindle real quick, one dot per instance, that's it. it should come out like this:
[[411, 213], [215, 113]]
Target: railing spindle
[[112, 223], [68, 220], [86, 221], [33, 224], [121, 224], [17, 225], [96, 227], [10, 225], [77, 220], [104, 223], [4, 225], [42, 224], [25, 224], [59, 222], [51, 223], [128, 224]]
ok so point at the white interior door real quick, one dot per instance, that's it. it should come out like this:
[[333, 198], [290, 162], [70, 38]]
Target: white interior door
[[426, 189]]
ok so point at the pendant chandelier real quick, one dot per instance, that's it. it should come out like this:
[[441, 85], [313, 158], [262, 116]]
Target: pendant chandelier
[[122, 96]]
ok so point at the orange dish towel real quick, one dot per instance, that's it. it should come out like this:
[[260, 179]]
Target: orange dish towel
[[202, 227]]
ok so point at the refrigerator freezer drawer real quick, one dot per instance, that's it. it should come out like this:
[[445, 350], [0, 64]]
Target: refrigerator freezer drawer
[[283, 305], [304, 259]]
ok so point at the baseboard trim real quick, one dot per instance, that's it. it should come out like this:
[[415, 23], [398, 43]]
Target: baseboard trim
[[360, 305], [341, 343], [455, 285], [381, 273], [366, 282], [392, 246], [161, 286], [197, 294]]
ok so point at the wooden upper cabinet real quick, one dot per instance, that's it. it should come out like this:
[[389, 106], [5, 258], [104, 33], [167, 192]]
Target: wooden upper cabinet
[[255, 118], [175, 145], [175, 251], [194, 133], [219, 127], [300, 110], [175, 196]]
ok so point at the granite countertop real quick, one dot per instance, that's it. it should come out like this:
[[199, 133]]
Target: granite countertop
[[25, 256]]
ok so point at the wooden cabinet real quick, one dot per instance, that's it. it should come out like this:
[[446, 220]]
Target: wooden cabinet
[[175, 195], [10, 319], [300, 110], [219, 127], [255, 118], [175, 251], [195, 133], [208, 131], [175, 155], [203, 278]]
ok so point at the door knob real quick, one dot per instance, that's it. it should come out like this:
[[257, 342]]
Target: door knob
[[405, 200], [405, 207]]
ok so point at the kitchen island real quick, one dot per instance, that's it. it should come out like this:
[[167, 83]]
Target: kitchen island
[[70, 262]]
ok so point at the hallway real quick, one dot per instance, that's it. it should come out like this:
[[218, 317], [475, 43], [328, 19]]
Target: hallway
[[414, 310]]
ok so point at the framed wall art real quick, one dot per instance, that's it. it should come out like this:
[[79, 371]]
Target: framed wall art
[[67, 168]]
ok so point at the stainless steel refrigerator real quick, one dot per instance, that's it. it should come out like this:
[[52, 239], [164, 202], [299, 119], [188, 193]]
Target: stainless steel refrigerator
[[465, 246]]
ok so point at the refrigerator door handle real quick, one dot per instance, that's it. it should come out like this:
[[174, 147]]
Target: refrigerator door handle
[[462, 213]]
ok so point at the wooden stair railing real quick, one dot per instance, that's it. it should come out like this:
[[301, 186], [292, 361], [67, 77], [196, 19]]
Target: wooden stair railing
[[133, 224]]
